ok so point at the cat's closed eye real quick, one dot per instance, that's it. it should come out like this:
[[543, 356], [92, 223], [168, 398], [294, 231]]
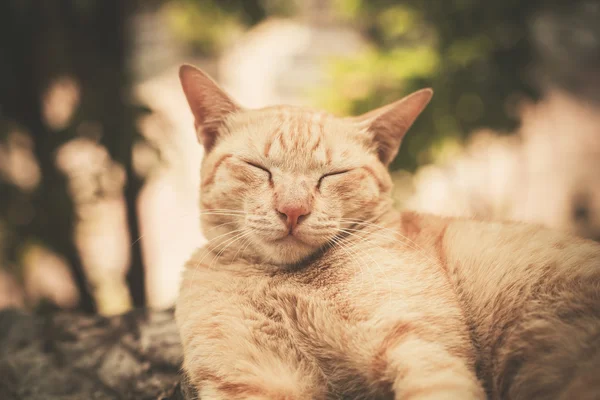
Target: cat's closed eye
[[257, 166], [331, 174]]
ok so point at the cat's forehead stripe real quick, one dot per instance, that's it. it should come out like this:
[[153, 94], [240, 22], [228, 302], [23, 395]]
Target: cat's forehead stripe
[[292, 129], [281, 140], [275, 133]]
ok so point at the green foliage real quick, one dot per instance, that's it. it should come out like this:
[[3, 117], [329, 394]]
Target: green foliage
[[474, 54], [203, 25], [208, 25]]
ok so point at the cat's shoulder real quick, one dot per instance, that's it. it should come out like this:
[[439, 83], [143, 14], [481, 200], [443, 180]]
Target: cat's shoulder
[[474, 229]]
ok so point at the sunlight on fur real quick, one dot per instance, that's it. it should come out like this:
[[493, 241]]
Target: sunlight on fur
[[311, 286]]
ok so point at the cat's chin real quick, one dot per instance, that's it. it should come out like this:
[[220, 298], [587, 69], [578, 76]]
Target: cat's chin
[[288, 250]]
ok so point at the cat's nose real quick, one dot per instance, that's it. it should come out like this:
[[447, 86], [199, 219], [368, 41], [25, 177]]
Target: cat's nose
[[293, 214]]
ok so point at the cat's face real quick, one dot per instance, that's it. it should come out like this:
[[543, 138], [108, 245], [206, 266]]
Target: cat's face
[[297, 176], [285, 182]]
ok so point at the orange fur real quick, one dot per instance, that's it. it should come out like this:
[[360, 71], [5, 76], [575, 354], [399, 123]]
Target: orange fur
[[360, 301]]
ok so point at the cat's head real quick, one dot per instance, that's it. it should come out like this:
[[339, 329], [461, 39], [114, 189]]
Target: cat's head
[[284, 182]]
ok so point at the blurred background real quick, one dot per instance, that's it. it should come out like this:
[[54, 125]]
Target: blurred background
[[99, 163]]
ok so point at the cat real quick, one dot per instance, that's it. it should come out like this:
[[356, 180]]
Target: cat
[[312, 286]]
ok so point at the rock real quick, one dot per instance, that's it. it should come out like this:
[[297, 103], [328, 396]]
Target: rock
[[73, 356]]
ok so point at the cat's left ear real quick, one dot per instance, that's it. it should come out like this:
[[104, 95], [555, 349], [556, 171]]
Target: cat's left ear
[[389, 124], [209, 103]]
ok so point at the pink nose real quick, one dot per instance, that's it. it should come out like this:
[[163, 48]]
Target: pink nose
[[293, 214]]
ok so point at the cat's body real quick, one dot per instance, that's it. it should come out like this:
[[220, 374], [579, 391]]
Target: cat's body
[[313, 287], [505, 305], [332, 323]]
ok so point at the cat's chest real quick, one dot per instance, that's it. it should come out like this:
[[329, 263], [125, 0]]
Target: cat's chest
[[349, 286], [284, 298], [365, 271]]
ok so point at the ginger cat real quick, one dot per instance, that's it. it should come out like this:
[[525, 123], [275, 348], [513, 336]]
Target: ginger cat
[[313, 287]]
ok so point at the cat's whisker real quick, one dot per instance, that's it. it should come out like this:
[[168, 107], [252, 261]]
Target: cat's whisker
[[179, 217], [220, 225], [379, 227], [356, 248], [244, 244], [137, 240], [219, 212], [242, 235], [364, 240], [365, 237], [262, 229], [229, 210], [237, 233], [335, 243], [199, 262], [232, 213], [413, 245], [363, 265], [410, 245], [248, 243], [353, 255], [208, 216], [221, 209]]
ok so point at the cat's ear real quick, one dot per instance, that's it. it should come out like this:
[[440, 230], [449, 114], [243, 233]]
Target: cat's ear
[[389, 124], [209, 103]]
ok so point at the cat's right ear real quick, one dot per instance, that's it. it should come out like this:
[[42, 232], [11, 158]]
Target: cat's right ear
[[389, 124], [210, 105]]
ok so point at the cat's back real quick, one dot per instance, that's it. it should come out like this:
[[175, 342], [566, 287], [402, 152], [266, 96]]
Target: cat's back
[[494, 255], [532, 298]]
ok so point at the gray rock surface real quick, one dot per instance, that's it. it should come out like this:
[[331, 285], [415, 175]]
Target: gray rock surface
[[73, 356]]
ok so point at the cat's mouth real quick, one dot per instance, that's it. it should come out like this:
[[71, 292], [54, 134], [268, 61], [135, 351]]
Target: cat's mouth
[[292, 250], [291, 238], [290, 246]]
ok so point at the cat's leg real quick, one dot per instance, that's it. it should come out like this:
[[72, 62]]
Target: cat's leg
[[422, 370], [260, 384], [235, 350], [236, 371]]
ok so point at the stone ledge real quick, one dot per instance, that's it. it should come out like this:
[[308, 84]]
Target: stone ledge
[[72, 356]]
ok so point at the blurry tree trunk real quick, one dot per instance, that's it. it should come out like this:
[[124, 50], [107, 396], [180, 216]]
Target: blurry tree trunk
[[26, 72], [39, 42], [101, 45]]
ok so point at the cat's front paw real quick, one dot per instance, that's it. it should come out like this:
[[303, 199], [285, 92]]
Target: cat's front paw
[[236, 392]]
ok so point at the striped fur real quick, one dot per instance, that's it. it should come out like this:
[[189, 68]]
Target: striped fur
[[358, 301]]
